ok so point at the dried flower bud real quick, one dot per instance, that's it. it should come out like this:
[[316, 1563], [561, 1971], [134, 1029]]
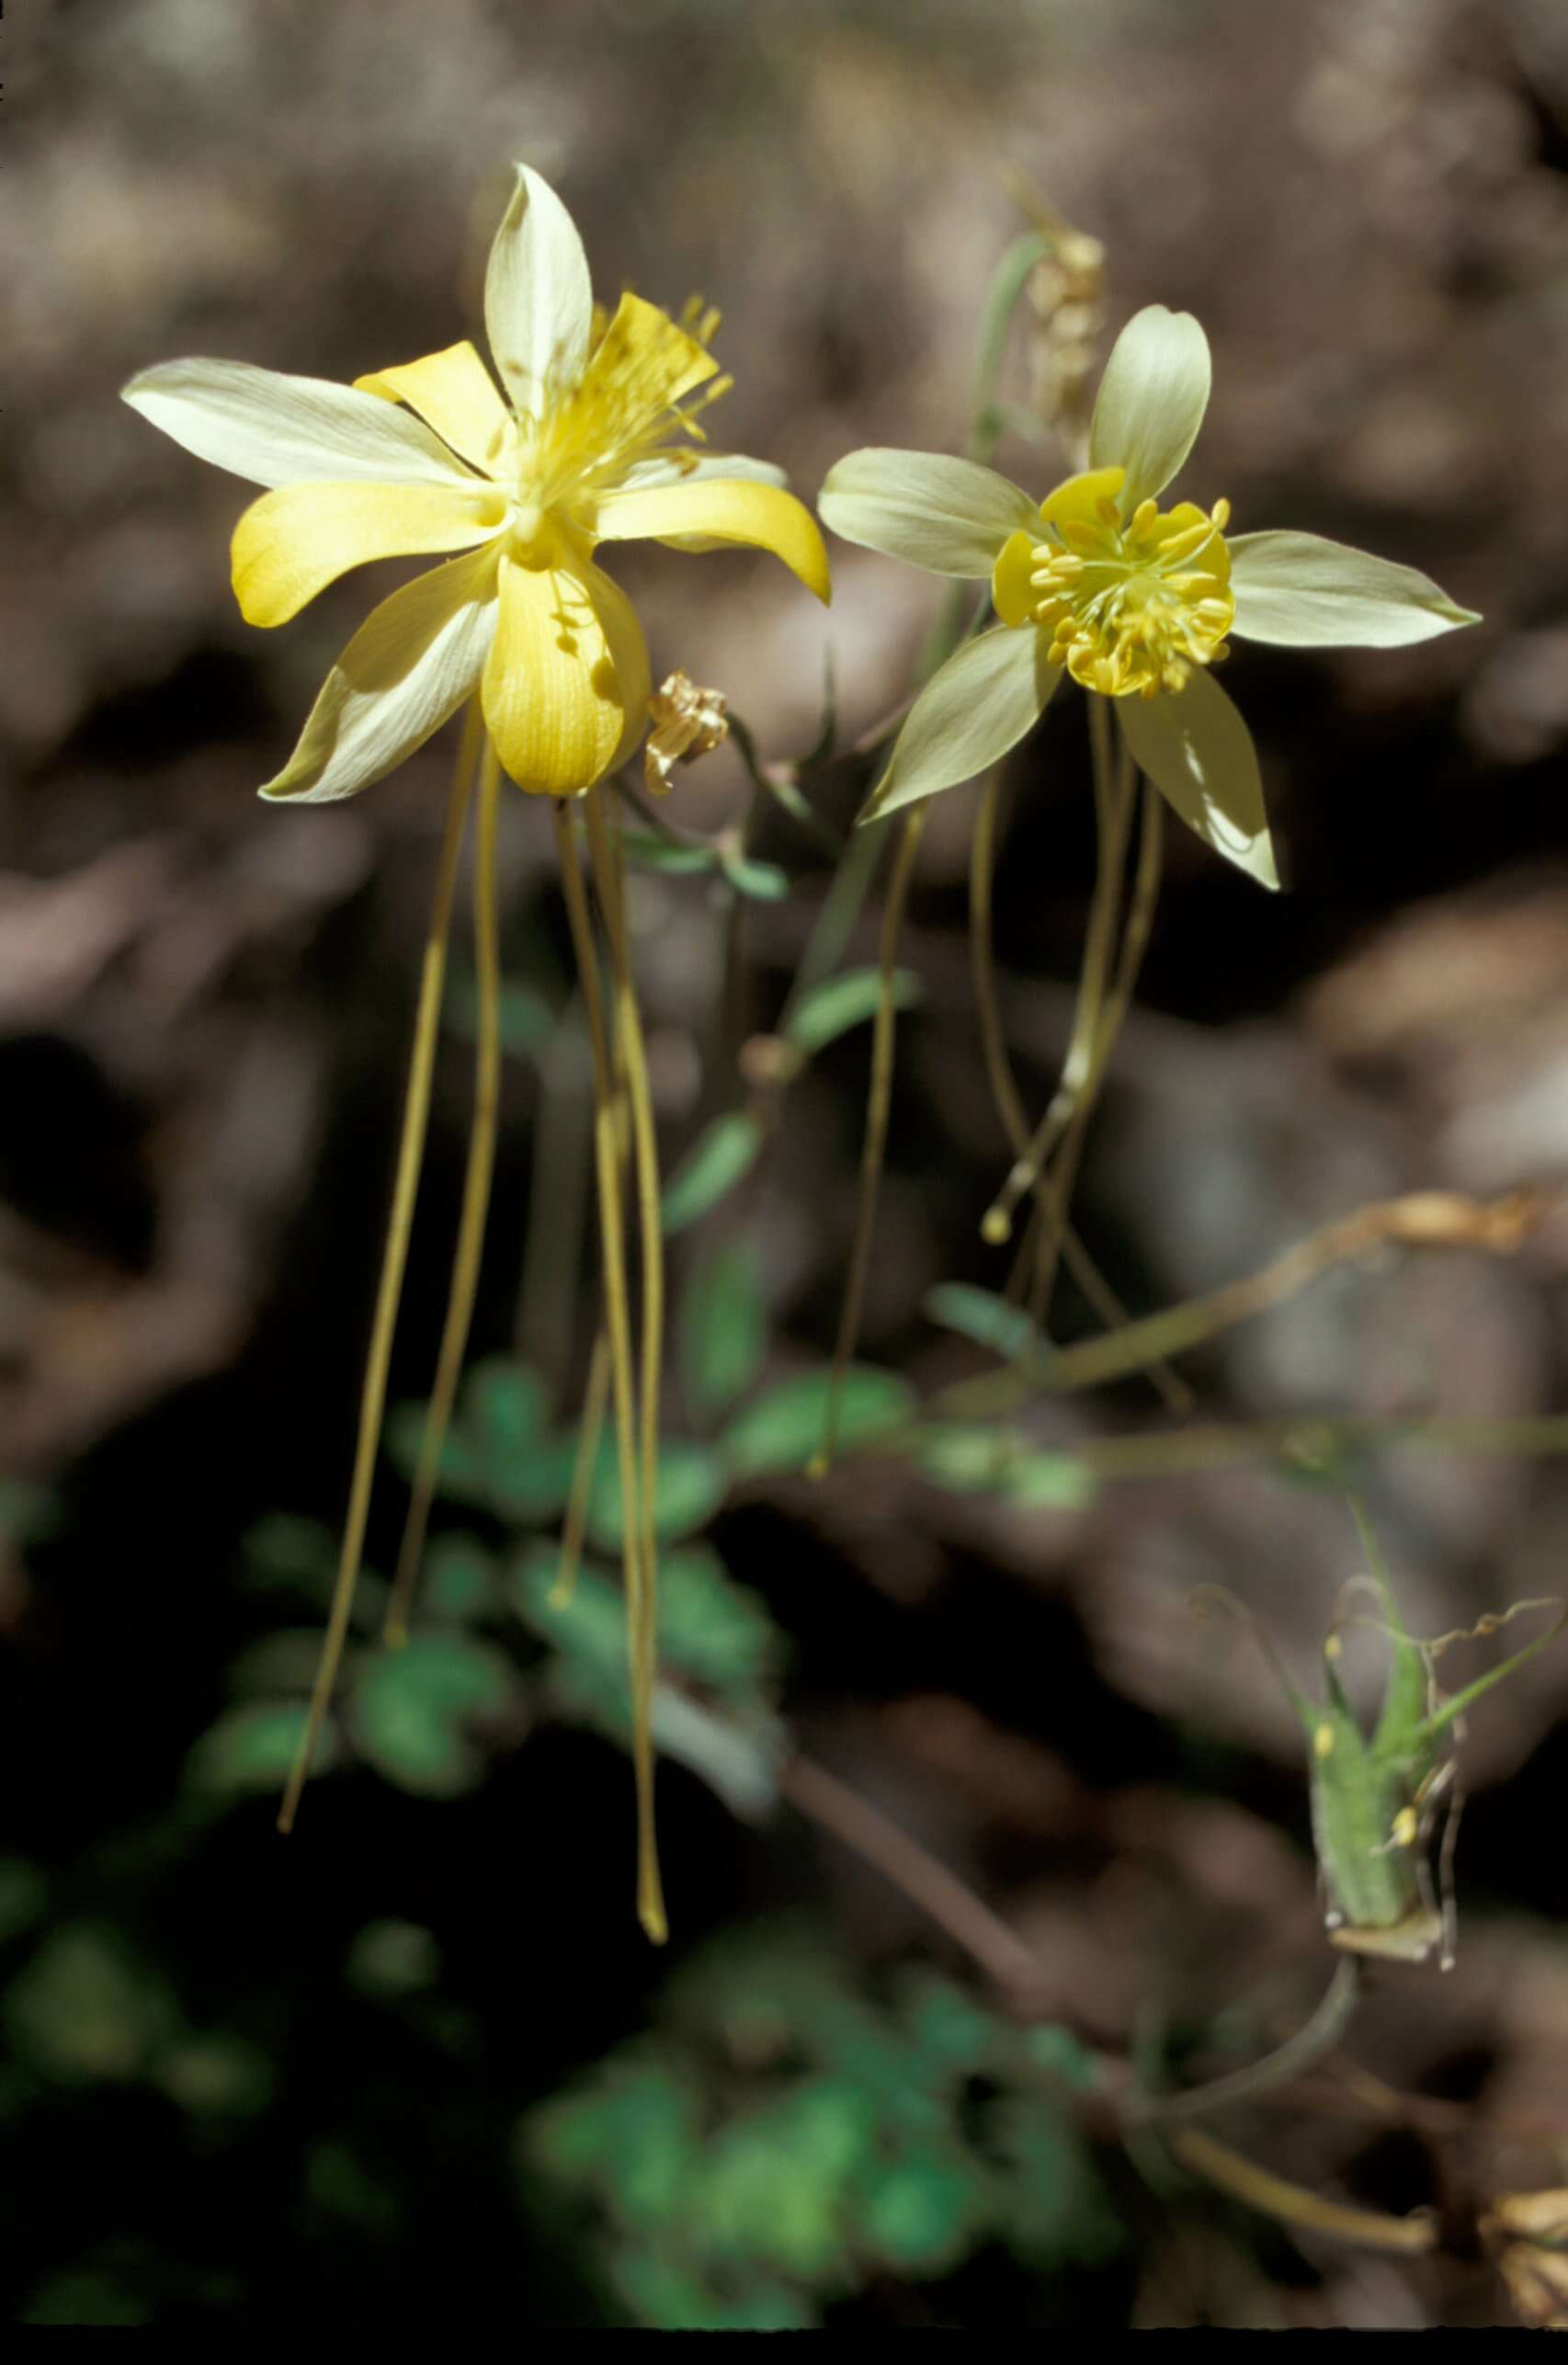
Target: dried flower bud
[[1527, 2233], [685, 722]]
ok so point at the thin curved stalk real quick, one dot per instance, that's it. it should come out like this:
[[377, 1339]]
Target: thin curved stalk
[[609, 879], [1174, 1391], [877, 1105], [606, 1159], [394, 1260], [477, 1183]]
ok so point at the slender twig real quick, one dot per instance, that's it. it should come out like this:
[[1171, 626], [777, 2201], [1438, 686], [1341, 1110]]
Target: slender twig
[[1293, 2204], [984, 1935], [1315, 2038], [1422, 1219], [394, 1259]]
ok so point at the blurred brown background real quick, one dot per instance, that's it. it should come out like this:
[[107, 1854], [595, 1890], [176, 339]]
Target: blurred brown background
[[204, 1004]]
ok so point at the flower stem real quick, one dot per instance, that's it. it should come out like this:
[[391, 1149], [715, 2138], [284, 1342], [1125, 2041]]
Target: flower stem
[[475, 1204], [877, 1105], [589, 1435], [394, 1259], [1098, 1293], [608, 1159], [609, 882]]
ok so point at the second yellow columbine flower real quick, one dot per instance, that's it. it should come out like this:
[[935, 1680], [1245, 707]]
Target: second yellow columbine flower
[[1133, 601], [592, 442]]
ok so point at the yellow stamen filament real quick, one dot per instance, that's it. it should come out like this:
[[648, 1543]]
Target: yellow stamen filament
[[877, 1105], [410, 1157], [475, 1206]]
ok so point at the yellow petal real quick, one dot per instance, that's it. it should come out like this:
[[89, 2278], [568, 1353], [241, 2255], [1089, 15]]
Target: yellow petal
[[640, 364], [721, 509], [1076, 502], [566, 681], [1013, 595], [452, 392], [292, 542], [410, 665]]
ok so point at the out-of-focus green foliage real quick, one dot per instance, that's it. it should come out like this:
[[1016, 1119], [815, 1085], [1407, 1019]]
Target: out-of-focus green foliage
[[782, 2139]]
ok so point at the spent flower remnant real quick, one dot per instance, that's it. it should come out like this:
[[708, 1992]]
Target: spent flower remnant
[[591, 441], [1136, 603]]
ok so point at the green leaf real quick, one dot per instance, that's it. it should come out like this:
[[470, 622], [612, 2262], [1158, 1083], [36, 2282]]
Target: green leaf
[[499, 1453], [713, 1630], [711, 1167], [459, 1581], [215, 2076], [738, 1754], [924, 2210], [1058, 2053], [24, 1894], [1053, 2208], [84, 2009], [629, 2138], [982, 1317], [775, 2185], [689, 1488], [527, 1021], [830, 1010], [971, 1459], [783, 1428], [392, 1958], [646, 850], [253, 1748], [410, 1707], [723, 1330], [953, 2037], [764, 882]]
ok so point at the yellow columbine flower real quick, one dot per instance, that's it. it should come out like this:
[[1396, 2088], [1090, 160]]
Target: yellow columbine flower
[[1133, 601], [588, 444]]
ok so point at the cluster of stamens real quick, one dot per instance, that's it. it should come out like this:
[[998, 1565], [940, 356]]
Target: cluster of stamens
[[1134, 607], [593, 433]]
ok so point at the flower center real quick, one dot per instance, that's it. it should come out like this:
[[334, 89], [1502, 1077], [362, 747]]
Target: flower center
[[1134, 607]]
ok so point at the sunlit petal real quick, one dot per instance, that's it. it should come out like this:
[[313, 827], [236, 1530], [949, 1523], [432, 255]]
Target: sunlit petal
[[724, 509], [539, 304], [1152, 401], [276, 429], [1303, 592], [566, 671], [455, 393], [1199, 753], [983, 702], [948, 515], [410, 665], [292, 542]]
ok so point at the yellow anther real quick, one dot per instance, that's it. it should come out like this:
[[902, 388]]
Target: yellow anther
[[1323, 1741], [1405, 1826], [1143, 517], [1220, 513], [1190, 539], [1106, 507]]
